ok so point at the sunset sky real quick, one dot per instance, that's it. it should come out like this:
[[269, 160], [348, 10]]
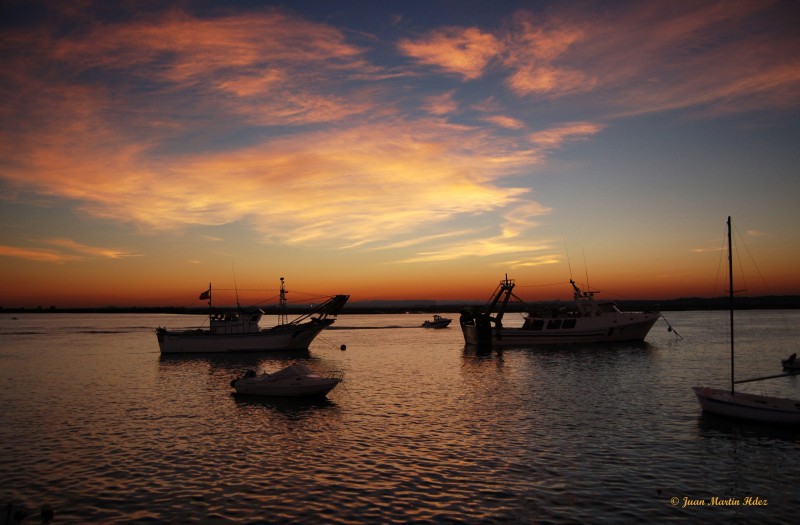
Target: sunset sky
[[394, 149]]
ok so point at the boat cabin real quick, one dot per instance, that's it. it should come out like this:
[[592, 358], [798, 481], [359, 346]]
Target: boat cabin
[[234, 322]]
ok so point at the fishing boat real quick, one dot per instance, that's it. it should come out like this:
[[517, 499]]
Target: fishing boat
[[585, 321], [437, 322], [296, 380], [753, 407], [237, 329]]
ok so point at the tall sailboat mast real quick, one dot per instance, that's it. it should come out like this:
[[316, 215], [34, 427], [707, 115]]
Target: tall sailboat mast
[[730, 292]]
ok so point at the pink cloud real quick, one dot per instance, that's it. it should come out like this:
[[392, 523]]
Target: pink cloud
[[645, 57], [463, 51]]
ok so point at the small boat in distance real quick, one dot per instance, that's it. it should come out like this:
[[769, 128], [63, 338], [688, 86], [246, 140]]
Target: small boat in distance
[[791, 363], [296, 380], [438, 322], [237, 330], [587, 321], [752, 407]]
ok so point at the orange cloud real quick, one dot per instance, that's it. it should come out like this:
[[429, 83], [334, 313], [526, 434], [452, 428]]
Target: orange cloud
[[535, 56], [557, 136], [69, 250], [505, 122], [36, 254], [463, 51], [651, 57], [94, 251], [441, 104]]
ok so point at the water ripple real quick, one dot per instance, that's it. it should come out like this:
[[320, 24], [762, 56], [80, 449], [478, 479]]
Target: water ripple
[[425, 431]]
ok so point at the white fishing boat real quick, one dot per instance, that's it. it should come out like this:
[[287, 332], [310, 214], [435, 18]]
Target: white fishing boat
[[238, 330], [586, 321], [727, 402], [296, 380], [437, 322]]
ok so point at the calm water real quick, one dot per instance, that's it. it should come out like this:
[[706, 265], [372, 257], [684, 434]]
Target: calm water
[[100, 426]]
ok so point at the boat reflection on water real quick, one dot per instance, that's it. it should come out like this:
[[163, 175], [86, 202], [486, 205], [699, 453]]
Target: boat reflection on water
[[293, 408]]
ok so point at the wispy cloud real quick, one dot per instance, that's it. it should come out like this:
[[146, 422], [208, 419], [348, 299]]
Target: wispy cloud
[[90, 251], [498, 245], [36, 254], [462, 51], [556, 137], [442, 104], [649, 57], [535, 56], [66, 250], [632, 58], [169, 120], [505, 122]]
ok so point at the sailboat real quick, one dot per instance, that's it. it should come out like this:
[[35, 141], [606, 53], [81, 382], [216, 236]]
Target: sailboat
[[753, 407]]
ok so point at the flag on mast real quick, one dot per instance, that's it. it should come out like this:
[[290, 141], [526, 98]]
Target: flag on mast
[[205, 295]]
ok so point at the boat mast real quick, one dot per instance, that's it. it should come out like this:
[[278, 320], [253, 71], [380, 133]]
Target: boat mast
[[730, 292], [504, 292], [282, 316]]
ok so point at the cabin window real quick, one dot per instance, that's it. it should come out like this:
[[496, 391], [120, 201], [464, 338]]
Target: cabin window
[[554, 324], [533, 324], [568, 323]]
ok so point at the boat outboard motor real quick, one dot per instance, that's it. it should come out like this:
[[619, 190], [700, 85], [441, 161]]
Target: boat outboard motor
[[249, 373]]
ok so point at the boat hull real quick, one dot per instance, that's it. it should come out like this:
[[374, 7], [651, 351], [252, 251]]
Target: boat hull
[[279, 338], [297, 387], [440, 324], [763, 409], [625, 327]]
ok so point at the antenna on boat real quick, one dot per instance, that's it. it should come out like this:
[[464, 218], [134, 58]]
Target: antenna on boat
[[282, 317]]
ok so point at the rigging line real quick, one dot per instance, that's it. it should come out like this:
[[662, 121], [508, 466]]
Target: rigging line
[[671, 329], [317, 294], [569, 264], [586, 269], [542, 285], [235, 286], [753, 262], [268, 290], [740, 267]]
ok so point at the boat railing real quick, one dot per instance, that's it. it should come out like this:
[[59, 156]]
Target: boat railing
[[334, 374]]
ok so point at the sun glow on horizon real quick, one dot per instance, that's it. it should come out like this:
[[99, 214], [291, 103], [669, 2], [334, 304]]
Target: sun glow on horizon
[[388, 155]]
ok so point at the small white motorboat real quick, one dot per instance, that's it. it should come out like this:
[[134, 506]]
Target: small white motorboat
[[438, 322], [296, 380]]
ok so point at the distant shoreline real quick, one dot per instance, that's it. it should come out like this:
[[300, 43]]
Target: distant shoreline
[[782, 302]]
